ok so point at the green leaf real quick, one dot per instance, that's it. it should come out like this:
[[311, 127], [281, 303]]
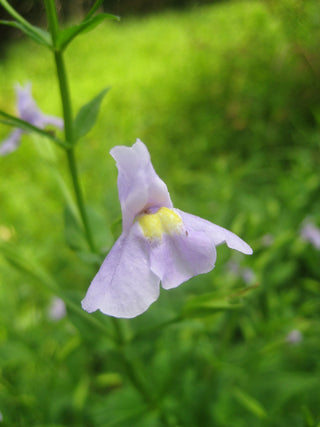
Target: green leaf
[[15, 258], [35, 33], [116, 227], [248, 402], [90, 258], [68, 34], [206, 305], [75, 237], [122, 407], [30, 268], [81, 392], [84, 321], [76, 240], [108, 379], [73, 232], [26, 126], [87, 115], [102, 235]]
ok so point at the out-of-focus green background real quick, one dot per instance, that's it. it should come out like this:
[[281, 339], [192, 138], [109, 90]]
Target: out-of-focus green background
[[227, 98]]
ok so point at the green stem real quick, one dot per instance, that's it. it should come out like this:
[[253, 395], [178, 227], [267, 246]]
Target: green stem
[[52, 16], [15, 14], [93, 9], [131, 369], [133, 372], [65, 96], [68, 120]]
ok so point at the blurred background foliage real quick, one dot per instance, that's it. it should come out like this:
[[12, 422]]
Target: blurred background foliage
[[226, 96], [68, 10]]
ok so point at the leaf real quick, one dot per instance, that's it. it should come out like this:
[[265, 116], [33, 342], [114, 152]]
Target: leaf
[[90, 258], [248, 402], [75, 237], [109, 380], [88, 114], [68, 34], [244, 291], [26, 126], [84, 321], [35, 33], [137, 417], [81, 392], [101, 231], [206, 305], [116, 227], [28, 267], [35, 272], [122, 407]]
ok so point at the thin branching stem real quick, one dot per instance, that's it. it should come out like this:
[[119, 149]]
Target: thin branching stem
[[68, 120], [132, 370]]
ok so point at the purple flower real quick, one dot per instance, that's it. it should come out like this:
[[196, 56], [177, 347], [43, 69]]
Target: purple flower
[[294, 337], [311, 234], [29, 112], [245, 273], [158, 242], [267, 240], [57, 309]]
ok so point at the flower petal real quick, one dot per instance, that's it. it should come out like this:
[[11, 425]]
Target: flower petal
[[51, 120], [27, 107], [311, 234], [138, 184], [217, 234], [11, 143], [124, 286], [30, 112], [180, 256]]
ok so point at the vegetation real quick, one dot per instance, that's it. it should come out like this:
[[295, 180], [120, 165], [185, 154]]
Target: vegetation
[[227, 99]]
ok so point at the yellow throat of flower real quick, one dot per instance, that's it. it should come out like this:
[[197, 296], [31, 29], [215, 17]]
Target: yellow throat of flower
[[164, 221]]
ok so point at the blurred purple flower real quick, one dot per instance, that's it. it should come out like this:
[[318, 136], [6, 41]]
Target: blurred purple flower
[[29, 112], [245, 273], [57, 309], [158, 242], [294, 337], [267, 240], [311, 233]]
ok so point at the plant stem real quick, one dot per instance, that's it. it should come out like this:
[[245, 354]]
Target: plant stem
[[68, 121], [94, 8], [52, 17], [15, 14], [133, 372]]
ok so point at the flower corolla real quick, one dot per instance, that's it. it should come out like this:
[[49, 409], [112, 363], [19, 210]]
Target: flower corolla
[[245, 273], [29, 112], [57, 309], [310, 233], [294, 337], [158, 242]]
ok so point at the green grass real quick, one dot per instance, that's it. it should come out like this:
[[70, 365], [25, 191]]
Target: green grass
[[228, 108]]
